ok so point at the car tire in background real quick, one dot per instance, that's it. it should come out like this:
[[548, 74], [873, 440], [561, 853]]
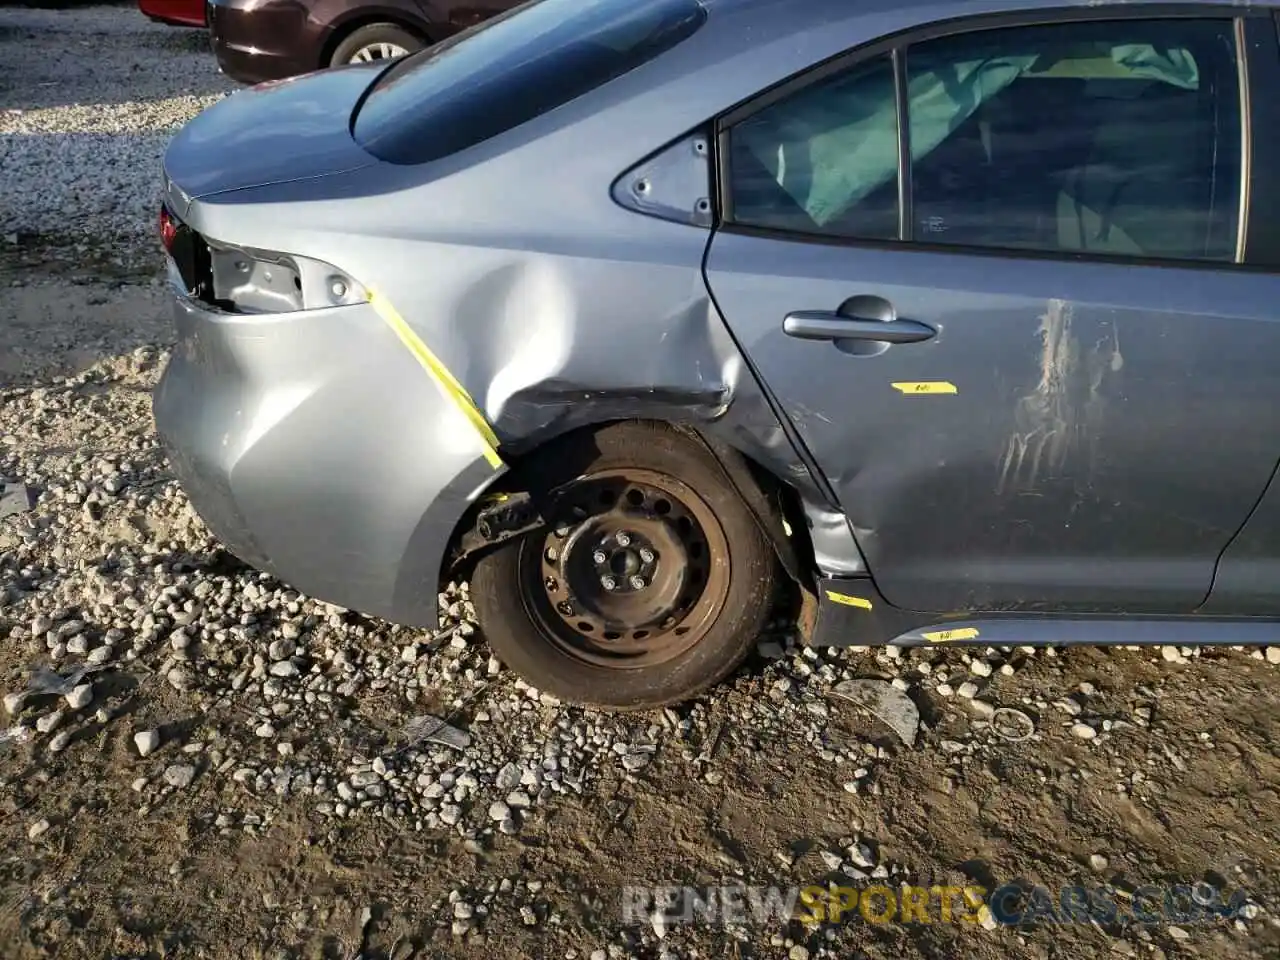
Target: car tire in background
[[375, 41], [650, 583]]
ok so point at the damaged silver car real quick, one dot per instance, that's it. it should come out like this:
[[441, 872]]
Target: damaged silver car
[[951, 314]]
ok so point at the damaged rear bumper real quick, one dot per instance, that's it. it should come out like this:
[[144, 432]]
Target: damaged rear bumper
[[315, 448]]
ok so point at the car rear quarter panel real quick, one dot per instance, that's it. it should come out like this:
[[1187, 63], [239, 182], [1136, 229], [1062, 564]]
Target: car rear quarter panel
[[313, 449]]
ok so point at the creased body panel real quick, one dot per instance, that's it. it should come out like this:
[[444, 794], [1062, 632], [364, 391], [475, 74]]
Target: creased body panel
[[599, 314], [319, 432]]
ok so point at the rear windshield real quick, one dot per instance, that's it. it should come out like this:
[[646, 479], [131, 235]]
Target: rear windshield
[[511, 69]]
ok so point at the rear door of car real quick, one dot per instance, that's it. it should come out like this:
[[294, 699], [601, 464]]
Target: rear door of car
[[1030, 335]]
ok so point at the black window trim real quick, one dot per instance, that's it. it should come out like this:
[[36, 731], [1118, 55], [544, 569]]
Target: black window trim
[[906, 202], [1257, 34]]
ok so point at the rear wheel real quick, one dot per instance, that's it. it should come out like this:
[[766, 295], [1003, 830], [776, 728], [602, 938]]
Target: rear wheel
[[376, 41], [649, 585]]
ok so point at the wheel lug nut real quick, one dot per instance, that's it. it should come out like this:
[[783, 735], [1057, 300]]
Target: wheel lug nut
[[637, 583], [599, 557], [609, 583], [624, 539], [646, 555]]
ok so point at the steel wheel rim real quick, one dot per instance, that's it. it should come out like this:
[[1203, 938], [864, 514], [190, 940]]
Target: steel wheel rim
[[377, 51], [673, 542]]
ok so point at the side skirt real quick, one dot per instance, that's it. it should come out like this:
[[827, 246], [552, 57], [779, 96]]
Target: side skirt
[[851, 613]]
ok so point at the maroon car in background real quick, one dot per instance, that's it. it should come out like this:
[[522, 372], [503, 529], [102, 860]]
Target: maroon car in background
[[258, 40], [178, 13]]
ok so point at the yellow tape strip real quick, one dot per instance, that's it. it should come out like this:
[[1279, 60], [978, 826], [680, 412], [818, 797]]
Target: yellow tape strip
[[847, 600], [452, 389], [959, 633], [915, 387]]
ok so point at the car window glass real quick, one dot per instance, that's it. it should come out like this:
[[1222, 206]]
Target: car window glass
[[824, 159], [512, 68], [1117, 137]]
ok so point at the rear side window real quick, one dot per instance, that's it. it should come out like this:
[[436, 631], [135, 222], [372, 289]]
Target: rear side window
[[512, 69], [1121, 138]]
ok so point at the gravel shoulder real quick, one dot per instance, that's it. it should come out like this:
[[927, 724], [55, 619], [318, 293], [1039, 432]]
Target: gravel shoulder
[[88, 100], [234, 778]]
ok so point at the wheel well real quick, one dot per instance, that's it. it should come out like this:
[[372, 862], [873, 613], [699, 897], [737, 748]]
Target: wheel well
[[348, 27], [776, 505]]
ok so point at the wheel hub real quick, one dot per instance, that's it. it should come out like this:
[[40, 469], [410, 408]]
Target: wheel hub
[[625, 562], [628, 568]]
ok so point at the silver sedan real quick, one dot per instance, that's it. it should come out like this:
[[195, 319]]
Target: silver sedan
[[909, 321]]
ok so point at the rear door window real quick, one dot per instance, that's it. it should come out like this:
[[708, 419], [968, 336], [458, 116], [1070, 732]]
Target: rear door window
[[1115, 137], [1118, 138], [511, 69]]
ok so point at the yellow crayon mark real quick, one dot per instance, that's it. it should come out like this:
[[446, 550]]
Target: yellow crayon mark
[[451, 388], [848, 601], [959, 633], [925, 387]]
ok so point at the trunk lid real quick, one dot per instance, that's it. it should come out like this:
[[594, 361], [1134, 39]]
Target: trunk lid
[[278, 132]]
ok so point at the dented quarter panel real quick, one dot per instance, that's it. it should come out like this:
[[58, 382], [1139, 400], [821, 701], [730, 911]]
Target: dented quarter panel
[[1082, 463], [555, 305], [553, 310], [245, 407]]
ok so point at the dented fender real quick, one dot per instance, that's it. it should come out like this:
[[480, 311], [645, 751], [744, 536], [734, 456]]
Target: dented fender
[[539, 361]]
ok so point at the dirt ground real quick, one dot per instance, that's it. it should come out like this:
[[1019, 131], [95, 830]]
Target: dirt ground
[[1177, 785]]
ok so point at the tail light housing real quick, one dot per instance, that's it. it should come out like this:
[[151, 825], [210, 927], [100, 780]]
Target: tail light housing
[[241, 279], [188, 255], [249, 280], [168, 228]]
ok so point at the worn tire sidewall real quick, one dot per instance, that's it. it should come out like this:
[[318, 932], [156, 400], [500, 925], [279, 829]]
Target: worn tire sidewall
[[519, 643]]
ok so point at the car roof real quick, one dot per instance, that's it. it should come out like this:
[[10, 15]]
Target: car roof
[[745, 47], [797, 16]]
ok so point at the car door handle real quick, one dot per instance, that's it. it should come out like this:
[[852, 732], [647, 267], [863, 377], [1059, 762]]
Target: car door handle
[[826, 325]]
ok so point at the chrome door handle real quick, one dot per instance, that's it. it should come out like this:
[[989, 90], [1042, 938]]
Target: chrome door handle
[[828, 325]]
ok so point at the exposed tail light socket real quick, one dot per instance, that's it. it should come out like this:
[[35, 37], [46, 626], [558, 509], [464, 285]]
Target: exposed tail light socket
[[168, 228]]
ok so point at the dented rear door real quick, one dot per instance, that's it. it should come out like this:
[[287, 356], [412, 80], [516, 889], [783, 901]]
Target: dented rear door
[[1072, 436]]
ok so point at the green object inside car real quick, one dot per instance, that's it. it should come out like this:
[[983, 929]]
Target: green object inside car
[[834, 144]]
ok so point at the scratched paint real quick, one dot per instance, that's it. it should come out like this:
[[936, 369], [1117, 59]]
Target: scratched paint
[[1063, 418], [1044, 420]]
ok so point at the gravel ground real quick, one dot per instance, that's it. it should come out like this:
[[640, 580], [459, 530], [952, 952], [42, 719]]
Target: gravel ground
[[88, 100], [198, 761]]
